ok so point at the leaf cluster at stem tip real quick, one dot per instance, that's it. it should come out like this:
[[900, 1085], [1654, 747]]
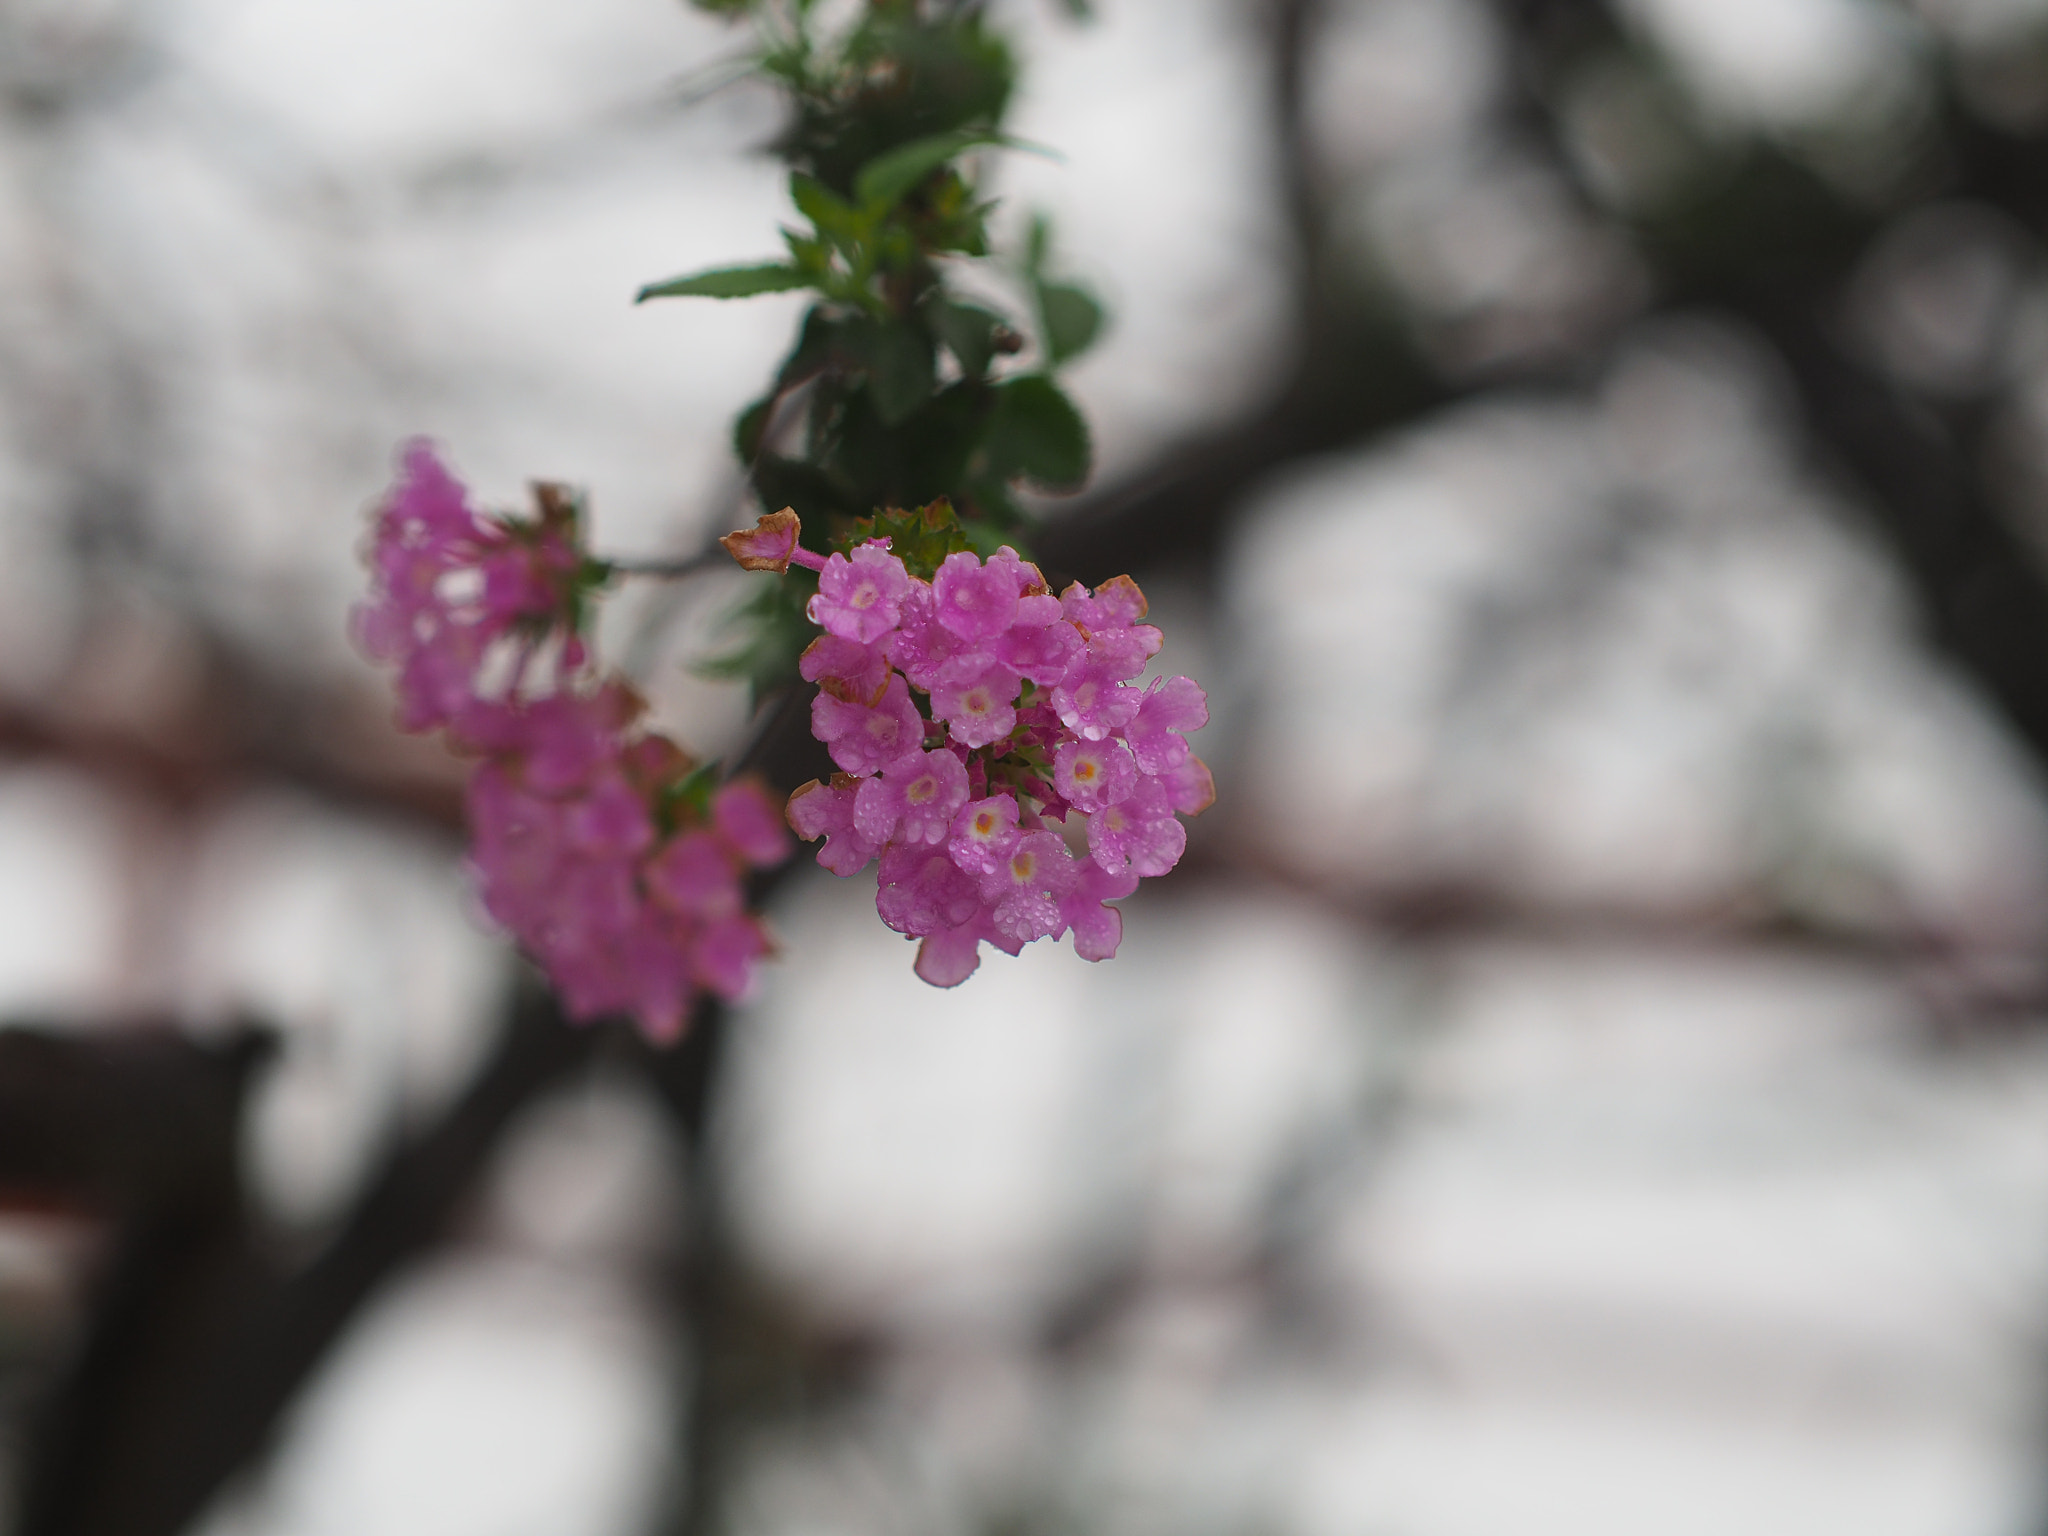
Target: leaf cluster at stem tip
[[899, 390]]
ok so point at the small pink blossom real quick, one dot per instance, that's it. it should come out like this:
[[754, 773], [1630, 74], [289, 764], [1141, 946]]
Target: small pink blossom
[[862, 739], [826, 810], [924, 649], [1094, 703], [950, 956], [983, 834], [912, 800], [694, 877], [1092, 774], [980, 709], [973, 600], [862, 598], [1140, 833], [1189, 787], [1042, 654], [851, 671], [921, 891], [745, 817], [1171, 707], [1097, 927], [1025, 887]]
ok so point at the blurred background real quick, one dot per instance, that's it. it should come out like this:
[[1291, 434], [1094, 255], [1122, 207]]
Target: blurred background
[[1589, 1075]]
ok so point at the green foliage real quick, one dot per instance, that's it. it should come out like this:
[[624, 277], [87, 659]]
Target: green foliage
[[728, 283], [887, 179], [921, 539], [898, 391], [1069, 319], [1036, 435]]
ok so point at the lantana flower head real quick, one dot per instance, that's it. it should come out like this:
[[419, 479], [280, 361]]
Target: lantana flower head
[[997, 757], [594, 843]]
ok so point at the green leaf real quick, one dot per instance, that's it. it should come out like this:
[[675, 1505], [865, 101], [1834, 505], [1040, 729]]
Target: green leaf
[[1037, 243], [1036, 435], [830, 212], [885, 180], [728, 283], [898, 359], [968, 332], [812, 257], [1072, 320]]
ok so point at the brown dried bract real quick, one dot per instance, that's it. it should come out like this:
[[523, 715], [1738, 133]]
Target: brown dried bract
[[767, 545]]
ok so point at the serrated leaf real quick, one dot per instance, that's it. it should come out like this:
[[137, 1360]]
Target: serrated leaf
[[1072, 320], [885, 180], [728, 283], [1036, 435]]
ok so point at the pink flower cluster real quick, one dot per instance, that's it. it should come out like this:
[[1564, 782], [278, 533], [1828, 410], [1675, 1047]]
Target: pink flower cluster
[[1037, 734], [587, 843], [450, 590]]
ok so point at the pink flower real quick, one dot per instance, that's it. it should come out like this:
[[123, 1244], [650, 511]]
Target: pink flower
[[851, 671], [694, 877], [1139, 833], [1189, 787], [1168, 709], [913, 800], [965, 832], [1093, 702], [746, 818], [925, 649], [447, 586], [1025, 888], [575, 837], [981, 709], [860, 599], [1092, 774], [976, 601], [921, 891], [983, 834], [861, 739], [826, 810], [1042, 654], [950, 956], [1097, 927], [722, 958]]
